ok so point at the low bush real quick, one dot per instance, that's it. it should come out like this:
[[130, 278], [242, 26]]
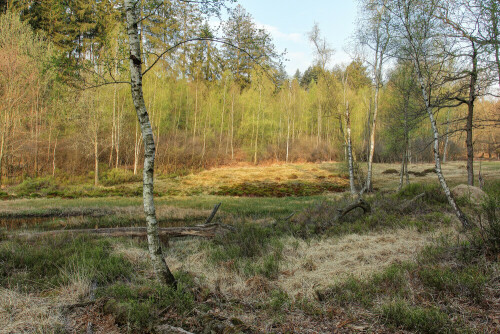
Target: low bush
[[119, 176], [31, 187]]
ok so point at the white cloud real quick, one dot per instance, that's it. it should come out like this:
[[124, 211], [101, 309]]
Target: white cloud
[[279, 35]]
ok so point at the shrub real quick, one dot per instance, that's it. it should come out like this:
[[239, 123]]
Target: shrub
[[34, 186], [119, 176]]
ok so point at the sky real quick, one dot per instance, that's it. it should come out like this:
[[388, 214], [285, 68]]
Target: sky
[[288, 21]]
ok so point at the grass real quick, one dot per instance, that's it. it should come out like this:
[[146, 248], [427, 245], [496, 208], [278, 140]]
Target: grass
[[137, 306], [271, 274], [48, 263], [251, 250], [417, 319]]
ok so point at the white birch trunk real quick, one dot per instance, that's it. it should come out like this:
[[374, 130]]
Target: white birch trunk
[[460, 215], [349, 150], [160, 267]]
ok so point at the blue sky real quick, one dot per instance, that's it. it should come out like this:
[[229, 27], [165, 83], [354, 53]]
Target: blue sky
[[289, 21]]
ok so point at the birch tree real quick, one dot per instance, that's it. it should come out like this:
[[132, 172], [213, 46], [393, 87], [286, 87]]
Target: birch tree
[[374, 35], [420, 36], [162, 272]]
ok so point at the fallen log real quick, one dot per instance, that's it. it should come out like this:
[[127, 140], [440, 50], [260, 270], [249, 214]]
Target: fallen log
[[204, 231]]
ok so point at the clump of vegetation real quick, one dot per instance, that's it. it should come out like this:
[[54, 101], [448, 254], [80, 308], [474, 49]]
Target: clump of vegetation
[[48, 262], [117, 176], [274, 189], [138, 306], [416, 318], [251, 250], [390, 171], [37, 187]]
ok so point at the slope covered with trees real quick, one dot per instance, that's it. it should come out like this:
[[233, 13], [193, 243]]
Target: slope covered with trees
[[221, 98]]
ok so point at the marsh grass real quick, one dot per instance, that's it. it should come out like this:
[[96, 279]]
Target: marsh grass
[[51, 262], [138, 305]]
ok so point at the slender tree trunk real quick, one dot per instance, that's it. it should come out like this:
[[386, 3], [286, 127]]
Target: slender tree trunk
[[460, 215], [222, 116], [470, 115], [232, 129], [402, 173], [96, 160], [349, 149], [136, 148], [369, 185], [113, 127], [257, 126], [288, 138], [161, 269], [54, 157], [447, 138]]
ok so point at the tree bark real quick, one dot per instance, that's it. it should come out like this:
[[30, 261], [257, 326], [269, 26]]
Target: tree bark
[[160, 267]]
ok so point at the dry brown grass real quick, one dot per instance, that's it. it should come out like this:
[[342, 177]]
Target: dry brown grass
[[27, 313], [320, 263], [31, 313], [307, 266], [211, 180]]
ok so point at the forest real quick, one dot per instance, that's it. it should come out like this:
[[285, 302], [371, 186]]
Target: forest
[[357, 196]]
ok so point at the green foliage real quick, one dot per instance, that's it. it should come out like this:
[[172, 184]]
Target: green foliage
[[353, 291], [415, 318], [469, 280], [433, 192], [138, 306], [279, 301], [34, 187], [117, 176], [252, 250], [53, 261]]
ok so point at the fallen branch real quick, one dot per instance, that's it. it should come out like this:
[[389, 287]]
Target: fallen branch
[[360, 203], [204, 231], [411, 202], [212, 215]]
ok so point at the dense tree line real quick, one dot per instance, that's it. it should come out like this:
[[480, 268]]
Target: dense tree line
[[223, 97]]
